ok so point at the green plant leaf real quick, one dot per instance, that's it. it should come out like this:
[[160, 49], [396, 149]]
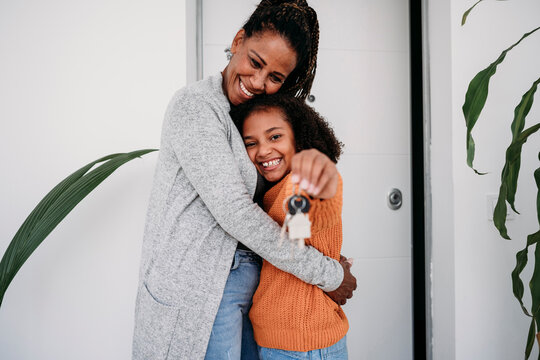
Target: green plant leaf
[[520, 113], [476, 96], [537, 180], [499, 213], [466, 13], [530, 339], [521, 262], [53, 208], [513, 157], [534, 284], [39, 210], [535, 279]]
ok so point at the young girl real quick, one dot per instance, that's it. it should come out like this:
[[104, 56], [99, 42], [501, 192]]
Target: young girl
[[292, 319]]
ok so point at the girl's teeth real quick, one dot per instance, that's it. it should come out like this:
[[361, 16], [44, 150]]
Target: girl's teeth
[[271, 163], [245, 90]]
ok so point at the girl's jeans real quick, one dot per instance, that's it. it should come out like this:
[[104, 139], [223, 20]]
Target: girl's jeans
[[338, 351], [232, 334]]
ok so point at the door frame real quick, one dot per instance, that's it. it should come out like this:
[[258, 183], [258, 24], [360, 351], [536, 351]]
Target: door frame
[[420, 184]]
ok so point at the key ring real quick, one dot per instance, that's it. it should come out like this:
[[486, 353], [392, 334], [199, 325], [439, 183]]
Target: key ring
[[290, 203], [298, 203]]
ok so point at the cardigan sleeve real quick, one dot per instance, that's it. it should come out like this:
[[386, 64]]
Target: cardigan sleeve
[[200, 141]]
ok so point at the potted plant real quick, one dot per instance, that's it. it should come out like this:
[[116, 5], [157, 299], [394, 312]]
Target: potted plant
[[475, 99]]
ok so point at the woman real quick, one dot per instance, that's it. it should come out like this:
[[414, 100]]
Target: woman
[[201, 204]]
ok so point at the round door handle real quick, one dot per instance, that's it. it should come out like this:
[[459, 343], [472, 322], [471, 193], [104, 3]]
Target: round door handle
[[395, 199]]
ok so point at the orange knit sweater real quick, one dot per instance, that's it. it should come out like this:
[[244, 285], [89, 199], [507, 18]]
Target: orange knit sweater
[[288, 313]]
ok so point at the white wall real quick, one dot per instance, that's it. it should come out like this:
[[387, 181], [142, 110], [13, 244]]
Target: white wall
[[78, 80], [475, 315]]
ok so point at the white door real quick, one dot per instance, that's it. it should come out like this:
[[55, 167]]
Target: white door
[[362, 89]]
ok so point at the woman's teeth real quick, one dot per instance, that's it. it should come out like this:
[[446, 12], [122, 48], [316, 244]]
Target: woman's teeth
[[245, 91], [271, 163]]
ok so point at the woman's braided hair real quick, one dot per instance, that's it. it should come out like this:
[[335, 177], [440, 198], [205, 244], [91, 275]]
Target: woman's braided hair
[[311, 130], [296, 22]]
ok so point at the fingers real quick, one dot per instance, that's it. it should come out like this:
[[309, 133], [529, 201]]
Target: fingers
[[296, 167], [325, 175], [348, 285], [315, 173], [301, 167], [346, 266]]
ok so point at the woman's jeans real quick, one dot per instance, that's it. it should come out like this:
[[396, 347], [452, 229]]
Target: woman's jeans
[[232, 333], [338, 351]]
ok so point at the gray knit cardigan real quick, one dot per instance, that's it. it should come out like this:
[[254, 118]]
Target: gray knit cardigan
[[200, 206]]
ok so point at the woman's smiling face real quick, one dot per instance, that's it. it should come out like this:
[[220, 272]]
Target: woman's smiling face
[[269, 141], [259, 65]]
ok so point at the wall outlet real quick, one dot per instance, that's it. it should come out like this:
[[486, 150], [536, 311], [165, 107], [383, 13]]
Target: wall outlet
[[492, 202]]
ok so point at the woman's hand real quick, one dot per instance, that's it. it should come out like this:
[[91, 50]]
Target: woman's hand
[[348, 285], [315, 173]]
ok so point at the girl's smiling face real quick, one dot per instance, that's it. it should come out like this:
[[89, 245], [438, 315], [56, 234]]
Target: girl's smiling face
[[269, 141]]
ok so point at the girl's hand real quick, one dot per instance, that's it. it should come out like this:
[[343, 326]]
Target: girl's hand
[[315, 173]]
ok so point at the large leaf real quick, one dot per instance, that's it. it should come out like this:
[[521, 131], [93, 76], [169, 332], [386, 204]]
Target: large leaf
[[520, 113], [535, 295], [521, 262], [513, 157], [530, 339], [499, 213], [53, 208], [534, 284], [36, 215], [535, 279], [476, 96], [537, 180]]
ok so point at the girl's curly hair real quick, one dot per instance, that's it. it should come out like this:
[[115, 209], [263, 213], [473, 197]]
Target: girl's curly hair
[[311, 130]]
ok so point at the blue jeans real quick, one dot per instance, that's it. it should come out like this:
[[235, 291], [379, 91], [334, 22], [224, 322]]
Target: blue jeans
[[338, 351], [232, 333]]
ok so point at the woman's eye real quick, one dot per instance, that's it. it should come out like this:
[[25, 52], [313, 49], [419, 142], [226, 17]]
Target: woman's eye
[[255, 64], [250, 144], [276, 79]]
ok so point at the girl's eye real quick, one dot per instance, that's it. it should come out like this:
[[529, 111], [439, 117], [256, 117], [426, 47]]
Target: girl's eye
[[249, 144], [275, 137]]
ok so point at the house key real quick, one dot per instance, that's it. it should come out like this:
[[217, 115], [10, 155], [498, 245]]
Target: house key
[[298, 219]]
